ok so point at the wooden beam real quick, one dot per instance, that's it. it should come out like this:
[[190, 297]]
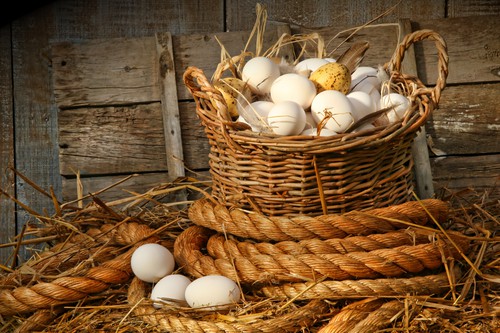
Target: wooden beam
[[422, 167], [7, 178], [170, 106]]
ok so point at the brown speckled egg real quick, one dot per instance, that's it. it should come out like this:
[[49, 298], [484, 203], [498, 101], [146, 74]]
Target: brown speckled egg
[[332, 76], [232, 89]]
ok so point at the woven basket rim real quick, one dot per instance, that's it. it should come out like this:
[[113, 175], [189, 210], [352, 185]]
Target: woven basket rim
[[424, 101]]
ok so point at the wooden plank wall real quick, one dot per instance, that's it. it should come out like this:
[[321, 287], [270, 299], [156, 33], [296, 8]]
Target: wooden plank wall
[[29, 117], [107, 127]]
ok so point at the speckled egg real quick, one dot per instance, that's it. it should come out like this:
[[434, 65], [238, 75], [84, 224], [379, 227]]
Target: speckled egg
[[332, 76], [234, 89]]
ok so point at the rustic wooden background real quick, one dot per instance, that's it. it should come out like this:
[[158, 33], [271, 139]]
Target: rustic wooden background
[[45, 140]]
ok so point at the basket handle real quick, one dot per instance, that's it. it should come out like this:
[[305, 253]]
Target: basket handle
[[416, 36], [201, 88], [210, 105]]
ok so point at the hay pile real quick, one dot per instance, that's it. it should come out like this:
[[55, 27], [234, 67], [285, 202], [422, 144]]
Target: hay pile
[[79, 279]]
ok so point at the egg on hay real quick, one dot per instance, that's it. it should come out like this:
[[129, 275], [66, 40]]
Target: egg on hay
[[170, 290], [151, 262], [212, 292]]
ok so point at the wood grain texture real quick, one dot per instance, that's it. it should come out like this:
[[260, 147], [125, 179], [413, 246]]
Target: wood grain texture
[[473, 49], [169, 106], [112, 188], [382, 40], [139, 183], [424, 187], [314, 14], [96, 19], [101, 141], [111, 140], [465, 8], [105, 71], [35, 117], [467, 121], [194, 140], [7, 180], [478, 174]]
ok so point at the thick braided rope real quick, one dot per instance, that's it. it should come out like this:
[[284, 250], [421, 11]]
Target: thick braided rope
[[272, 322], [367, 316], [329, 289], [43, 295], [252, 225], [219, 245], [393, 262], [94, 247]]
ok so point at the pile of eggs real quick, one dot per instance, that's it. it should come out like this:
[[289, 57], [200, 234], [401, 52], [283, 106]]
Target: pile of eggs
[[155, 264], [293, 100]]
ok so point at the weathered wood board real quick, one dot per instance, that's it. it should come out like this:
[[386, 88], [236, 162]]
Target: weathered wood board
[[112, 140], [7, 154], [473, 49], [347, 13], [116, 188], [478, 174], [103, 72], [467, 121], [130, 74]]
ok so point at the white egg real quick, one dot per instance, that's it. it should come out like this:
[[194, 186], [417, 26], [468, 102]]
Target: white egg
[[362, 103], [259, 73], [151, 262], [293, 87], [171, 287], [375, 95], [260, 108], [255, 114], [398, 103], [287, 118], [314, 132], [306, 66], [310, 122], [336, 106], [365, 73], [364, 86], [212, 292]]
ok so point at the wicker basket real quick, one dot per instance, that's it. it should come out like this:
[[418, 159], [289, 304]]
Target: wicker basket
[[288, 176]]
